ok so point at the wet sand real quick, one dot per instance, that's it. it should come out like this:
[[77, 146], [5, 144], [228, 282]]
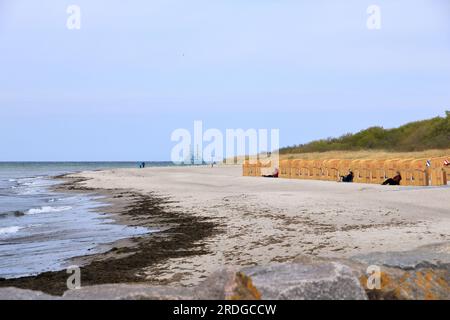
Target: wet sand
[[211, 217]]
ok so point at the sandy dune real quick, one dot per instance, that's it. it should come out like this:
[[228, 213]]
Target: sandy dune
[[273, 220]]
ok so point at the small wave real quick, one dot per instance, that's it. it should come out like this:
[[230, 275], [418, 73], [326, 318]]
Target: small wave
[[65, 199], [46, 209], [7, 230], [30, 178], [12, 180], [32, 183]]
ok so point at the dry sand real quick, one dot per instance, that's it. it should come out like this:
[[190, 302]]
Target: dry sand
[[267, 220]]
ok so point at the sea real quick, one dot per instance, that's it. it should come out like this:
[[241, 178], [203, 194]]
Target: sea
[[41, 230]]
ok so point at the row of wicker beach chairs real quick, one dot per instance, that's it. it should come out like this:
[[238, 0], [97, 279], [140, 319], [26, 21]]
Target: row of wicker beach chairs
[[414, 172]]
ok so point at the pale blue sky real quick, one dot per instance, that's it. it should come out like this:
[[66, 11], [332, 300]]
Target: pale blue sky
[[137, 70]]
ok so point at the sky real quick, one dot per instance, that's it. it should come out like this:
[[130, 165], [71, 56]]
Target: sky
[[137, 70]]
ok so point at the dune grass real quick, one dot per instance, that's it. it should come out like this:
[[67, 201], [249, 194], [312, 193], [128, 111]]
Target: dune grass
[[368, 154]]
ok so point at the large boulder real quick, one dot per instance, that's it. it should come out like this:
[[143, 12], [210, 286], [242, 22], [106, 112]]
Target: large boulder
[[429, 256], [419, 284], [419, 274], [227, 284], [307, 280]]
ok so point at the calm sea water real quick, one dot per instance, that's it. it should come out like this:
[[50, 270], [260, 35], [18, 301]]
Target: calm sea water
[[40, 229]]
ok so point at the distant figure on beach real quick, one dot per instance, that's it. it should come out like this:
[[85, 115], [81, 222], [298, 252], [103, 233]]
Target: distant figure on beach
[[143, 164], [348, 177], [273, 175], [395, 181]]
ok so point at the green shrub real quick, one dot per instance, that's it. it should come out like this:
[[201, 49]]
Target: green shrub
[[414, 136]]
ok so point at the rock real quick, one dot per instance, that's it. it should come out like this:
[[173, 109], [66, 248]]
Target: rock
[[419, 274], [420, 284], [306, 280], [227, 284], [358, 269], [430, 256], [129, 292], [422, 273], [10, 293]]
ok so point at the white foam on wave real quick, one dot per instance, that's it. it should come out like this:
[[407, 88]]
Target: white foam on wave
[[7, 230], [46, 209], [32, 183]]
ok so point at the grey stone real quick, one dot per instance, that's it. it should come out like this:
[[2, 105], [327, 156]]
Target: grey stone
[[430, 256], [129, 292], [320, 280], [422, 273], [10, 293], [227, 284]]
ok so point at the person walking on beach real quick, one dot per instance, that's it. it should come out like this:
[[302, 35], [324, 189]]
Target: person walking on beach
[[395, 181]]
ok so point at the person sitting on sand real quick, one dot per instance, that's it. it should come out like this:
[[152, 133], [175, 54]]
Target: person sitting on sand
[[395, 181], [348, 177], [273, 175]]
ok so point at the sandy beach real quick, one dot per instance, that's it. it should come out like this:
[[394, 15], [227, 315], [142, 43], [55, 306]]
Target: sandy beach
[[262, 221], [208, 218]]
